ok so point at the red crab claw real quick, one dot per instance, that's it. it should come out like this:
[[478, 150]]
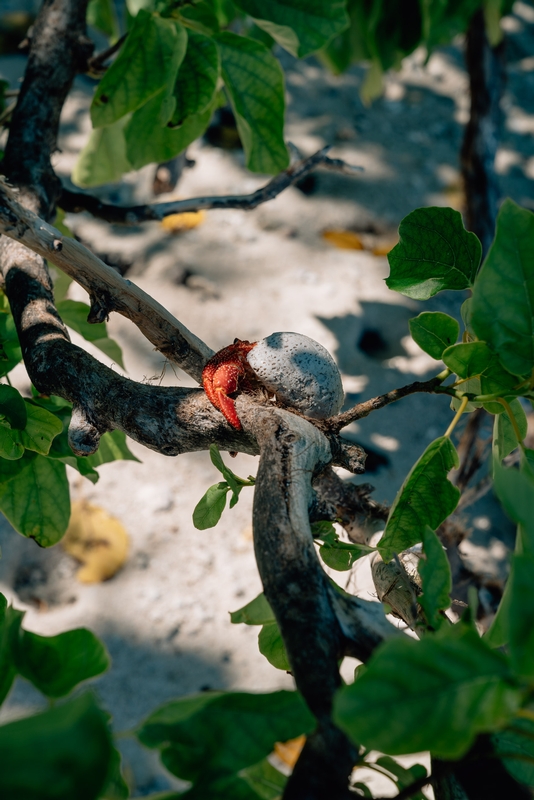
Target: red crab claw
[[222, 375]]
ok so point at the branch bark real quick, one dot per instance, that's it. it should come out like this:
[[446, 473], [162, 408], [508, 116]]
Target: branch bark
[[75, 202], [318, 623]]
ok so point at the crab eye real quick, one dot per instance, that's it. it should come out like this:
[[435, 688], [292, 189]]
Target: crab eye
[[236, 341]]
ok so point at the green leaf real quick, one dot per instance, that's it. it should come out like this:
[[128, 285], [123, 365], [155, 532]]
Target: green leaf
[[102, 16], [116, 786], [265, 780], [426, 497], [443, 21], [504, 437], [436, 580], [445, 690], [521, 616], [11, 447], [37, 500], [10, 469], [210, 507], [146, 65], [434, 332], [435, 252], [271, 645], [515, 490], [203, 16], [103, 159], [257, 612], [13, 407], [60, 754], [10, 352], [10, 621], [503, 295], [403, 776], [341, 560], [518, 740], [222, 733], [113, 447], [56, 664], [476, 359], [300, 26], [255, 84], [74, 314], [196, 82], [41, 428], [147, 141]]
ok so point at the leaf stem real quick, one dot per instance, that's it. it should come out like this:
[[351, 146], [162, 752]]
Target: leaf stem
[[513, 421], [457, 416]]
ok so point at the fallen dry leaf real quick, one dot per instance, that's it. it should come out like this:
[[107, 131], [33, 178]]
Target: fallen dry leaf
[[96, 539], [178, 223], [289, 751], [345, 240]]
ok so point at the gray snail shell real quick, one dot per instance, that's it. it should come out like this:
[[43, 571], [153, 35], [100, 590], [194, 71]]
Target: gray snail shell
[[300, 372]]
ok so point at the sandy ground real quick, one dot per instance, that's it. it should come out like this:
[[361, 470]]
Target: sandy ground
[[164, 617]]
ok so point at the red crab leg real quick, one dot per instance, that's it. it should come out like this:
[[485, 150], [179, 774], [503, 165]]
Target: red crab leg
[[219, 382]]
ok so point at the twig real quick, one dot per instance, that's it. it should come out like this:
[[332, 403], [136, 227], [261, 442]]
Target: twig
[[368, 406], [75, 202], [7, 112], [470, 450], [95, 64]]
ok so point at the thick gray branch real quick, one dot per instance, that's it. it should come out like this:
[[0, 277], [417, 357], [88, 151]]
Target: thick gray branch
[[318, 623]]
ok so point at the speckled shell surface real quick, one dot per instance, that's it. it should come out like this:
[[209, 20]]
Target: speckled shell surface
[[300, 371]]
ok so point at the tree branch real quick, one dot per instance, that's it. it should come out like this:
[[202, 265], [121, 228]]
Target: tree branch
[[361, 410], [75, 202], [107, 289], [318, 623]]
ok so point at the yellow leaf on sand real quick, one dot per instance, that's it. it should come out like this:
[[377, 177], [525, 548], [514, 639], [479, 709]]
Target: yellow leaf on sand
[[289, 751], [345, 240], [96, 539], [178, 223]]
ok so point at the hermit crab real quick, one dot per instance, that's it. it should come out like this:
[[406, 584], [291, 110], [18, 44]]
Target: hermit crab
[[300, 372]]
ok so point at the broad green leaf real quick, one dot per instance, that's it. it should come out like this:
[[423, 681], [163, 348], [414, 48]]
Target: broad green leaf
[[265, 780], [196, 82], [10, 621], [10, 352], [255, 84], [113, 447], [434, 332], [271, 645], [521, 616], [102, 16], [146, 65], [223, 733], [116, 787], [228, 475], [498, 633], [341, 560], [257, 612], [518, 740], [504, 437], [403, 776], [37, 500], [203, 16], [103, 159], [300, 26], [56, 664], [147, 141], [60, 754], [445, 690], [426, 497], [435, 252], [436, 580], [11, 448], [226, 787], [209, 508], [476, 359], [41, 429], [74, 314], [503, 295], [515, 490], [13, 407], [10, 469], [527, 462], [444, 20]]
